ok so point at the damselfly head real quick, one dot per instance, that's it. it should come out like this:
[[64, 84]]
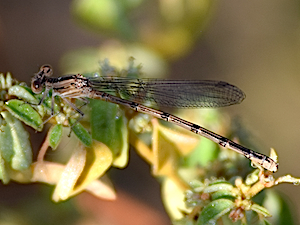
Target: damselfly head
[[36, 86], [38, 81], [46, 70]]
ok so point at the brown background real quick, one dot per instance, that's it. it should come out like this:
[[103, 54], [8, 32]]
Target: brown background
[[253, 44]]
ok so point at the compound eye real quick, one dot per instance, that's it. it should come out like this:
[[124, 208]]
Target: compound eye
[[36, 87], [47, 70]]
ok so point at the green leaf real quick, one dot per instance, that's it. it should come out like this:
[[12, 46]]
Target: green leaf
[[23, 93], [203, 154], [265, 222], [183, 221], [218, 186], [223, 194], [22, 152], [55, 135], [252, 177], [82, 134], [214, 210], [215, 182], [47, 103], [25, 113], [108, 125], [261, 210], [6, 140], [3, 173], [279, 207]]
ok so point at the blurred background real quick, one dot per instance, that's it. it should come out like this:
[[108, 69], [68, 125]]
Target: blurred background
[[252, 44]]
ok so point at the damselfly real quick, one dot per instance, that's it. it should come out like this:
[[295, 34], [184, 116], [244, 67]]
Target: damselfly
[[171, 93]]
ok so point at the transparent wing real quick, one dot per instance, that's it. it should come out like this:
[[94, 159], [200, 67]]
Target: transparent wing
[[172, 93]]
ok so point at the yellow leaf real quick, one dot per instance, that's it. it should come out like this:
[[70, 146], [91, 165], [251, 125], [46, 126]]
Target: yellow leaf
[[81, 173], [184, 141], [173, 199], [70, 175], [168, 146], [99, 159]]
